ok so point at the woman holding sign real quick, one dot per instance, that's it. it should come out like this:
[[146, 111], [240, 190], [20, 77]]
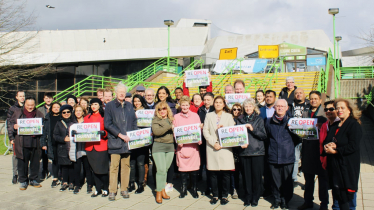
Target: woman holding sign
[[138, 156], [220, 161], [163, 146], [251, 156], [61, 136], [97, 152], [188, 157]]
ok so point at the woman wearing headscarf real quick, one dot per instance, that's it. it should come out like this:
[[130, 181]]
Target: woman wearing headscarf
[[97, 152]]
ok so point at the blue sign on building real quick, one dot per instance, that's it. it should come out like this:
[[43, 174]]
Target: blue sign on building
[[260, 65], [319, 61]]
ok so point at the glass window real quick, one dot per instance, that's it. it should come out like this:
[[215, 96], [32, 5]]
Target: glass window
[[82, 72], [65, 77]]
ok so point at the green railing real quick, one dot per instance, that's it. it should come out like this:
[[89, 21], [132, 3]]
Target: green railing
[[159, 65], [224, 76], [359, 72]]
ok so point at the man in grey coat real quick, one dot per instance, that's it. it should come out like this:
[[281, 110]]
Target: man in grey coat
[[118, 120]]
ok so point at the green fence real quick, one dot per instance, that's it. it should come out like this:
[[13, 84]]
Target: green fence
[[359, 72]]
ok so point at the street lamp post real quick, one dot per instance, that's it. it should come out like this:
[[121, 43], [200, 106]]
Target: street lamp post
[[337, 39], [168, 23], [333, 12]]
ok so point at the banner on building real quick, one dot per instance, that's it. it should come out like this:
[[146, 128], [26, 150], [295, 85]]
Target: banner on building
[[287, 49], [231, 99], [228, 53], [30, 126], [268, 51], [187, 134], [319, 61], [233, 136], [86, 132], [196, 78], [247, 66], [139, 138], [306, 128], [144, 117]]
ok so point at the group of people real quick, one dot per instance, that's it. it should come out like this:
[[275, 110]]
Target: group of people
[[268, 164]]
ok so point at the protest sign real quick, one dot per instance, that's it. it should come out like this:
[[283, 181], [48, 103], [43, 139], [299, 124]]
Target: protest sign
[[306, 128], [195, 78], [187, 134], [139, 138], [144, 117], [86, 132], [233, 136], [231, 99], [30, 126]]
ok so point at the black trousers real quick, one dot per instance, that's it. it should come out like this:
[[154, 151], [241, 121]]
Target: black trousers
[[171, 171], [68, 175], [55, 168], [224, 182], [267, 176], [78, 176], [137, 162], [31, 156], [323, 188], [45, 160], [101, 182], [252, 171], [282, 184]]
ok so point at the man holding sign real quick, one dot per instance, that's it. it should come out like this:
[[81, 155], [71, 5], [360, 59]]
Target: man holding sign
[[27, 147], [187, 131], [203, 88]]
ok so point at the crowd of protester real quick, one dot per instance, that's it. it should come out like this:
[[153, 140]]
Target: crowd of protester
[[269, 165]]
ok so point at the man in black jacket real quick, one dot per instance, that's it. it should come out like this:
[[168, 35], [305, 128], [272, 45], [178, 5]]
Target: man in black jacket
[[203, 110], [118, 120], [20, 96], [289, 91], [310, 157], [150, 98], [26, 147], [281, 154]]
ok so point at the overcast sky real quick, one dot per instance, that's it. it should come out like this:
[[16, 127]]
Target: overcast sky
[[237, 16]]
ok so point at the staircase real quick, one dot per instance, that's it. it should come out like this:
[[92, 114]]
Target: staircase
[[306, 80]]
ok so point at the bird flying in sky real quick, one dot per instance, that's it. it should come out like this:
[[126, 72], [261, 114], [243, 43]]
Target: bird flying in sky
[[49, 6]]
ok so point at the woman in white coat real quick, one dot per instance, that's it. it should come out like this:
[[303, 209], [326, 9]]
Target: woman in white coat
[[219, 160]]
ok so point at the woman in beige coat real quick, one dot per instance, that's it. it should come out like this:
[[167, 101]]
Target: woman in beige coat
[[219, 160]]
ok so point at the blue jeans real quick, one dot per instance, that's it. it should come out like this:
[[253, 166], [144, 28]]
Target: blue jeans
[[296, 164], [352, 203]]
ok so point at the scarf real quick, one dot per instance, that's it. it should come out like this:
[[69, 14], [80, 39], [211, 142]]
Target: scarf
[[28, 114], [249, 118], [279, 118]]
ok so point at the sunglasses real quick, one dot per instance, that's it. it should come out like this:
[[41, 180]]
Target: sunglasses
[[236, 110], [67, 112], [329, 109], [159, 109]]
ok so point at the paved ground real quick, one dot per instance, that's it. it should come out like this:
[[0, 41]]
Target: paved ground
[[47, 198]]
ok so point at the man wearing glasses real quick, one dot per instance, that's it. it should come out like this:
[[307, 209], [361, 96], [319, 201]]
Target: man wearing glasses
[[281, 154], [310, 157], [288, 92]]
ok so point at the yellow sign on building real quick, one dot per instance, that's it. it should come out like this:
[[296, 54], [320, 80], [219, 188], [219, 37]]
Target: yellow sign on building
[[228, 53], [268, 51]]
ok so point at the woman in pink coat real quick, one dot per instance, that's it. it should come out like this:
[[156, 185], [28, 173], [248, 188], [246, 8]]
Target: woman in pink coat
[[188, 156]]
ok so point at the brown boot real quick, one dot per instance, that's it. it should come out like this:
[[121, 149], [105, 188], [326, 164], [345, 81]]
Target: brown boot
[[145, 174], [164, 195], [158, 197]]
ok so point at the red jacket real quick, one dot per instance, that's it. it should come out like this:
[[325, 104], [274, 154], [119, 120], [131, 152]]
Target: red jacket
[[194, 108], [322, 136], [186, 91], [102, 145]]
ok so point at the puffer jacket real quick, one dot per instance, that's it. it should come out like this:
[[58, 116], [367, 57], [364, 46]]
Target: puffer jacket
[[162, 130], [118, 119], [44, 140], [256, 137], [289, 98], [281, 141]]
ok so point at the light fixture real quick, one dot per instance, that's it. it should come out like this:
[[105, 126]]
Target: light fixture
[[338, 38], [333, 11], [169, 22]]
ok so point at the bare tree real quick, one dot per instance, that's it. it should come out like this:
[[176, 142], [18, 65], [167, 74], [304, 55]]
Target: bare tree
[[17, 39]]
